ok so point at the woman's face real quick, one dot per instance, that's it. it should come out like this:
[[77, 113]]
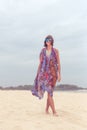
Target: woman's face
[[48, 42]]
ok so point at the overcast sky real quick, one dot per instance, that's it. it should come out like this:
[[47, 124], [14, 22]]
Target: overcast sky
[[24, 24]]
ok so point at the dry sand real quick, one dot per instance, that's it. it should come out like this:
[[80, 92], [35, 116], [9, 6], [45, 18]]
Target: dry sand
[[19, 110]]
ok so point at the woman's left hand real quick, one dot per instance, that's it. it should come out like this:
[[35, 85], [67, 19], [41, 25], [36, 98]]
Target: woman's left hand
[[59, 77]]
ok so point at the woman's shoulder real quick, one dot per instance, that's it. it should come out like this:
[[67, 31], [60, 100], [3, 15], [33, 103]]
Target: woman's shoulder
[[56, 50], [43, 49]]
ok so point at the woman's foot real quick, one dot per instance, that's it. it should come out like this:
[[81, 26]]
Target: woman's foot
[[47, 112], [55, 114]]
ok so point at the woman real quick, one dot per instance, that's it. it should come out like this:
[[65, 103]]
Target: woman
[[48, 73]]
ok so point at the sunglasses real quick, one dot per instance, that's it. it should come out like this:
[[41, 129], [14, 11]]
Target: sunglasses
[[48, 40]]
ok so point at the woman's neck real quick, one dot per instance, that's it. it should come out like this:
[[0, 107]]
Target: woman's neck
[[49, 48]]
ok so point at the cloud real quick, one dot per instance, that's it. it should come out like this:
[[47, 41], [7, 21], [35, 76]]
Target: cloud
[[23, 26]]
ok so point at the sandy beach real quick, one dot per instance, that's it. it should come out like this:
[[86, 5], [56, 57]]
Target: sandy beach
[[19, 110]]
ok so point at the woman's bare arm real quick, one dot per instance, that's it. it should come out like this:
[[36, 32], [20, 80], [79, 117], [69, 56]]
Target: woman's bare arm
[[59, 66]]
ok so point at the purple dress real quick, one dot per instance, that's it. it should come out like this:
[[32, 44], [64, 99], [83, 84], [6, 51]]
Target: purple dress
[[47, 76]]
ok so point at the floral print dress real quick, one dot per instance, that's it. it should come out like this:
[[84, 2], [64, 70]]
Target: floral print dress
[[48, 74]]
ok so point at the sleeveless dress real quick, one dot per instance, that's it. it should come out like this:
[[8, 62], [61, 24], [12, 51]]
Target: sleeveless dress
[[47, 76]]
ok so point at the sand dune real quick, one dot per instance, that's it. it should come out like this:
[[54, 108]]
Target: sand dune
[[19, 110]]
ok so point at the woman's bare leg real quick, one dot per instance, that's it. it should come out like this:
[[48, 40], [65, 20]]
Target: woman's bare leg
[[51, 104], [47, 106]]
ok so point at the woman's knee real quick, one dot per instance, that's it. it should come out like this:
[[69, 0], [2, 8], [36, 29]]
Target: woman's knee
[[49, 96]]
